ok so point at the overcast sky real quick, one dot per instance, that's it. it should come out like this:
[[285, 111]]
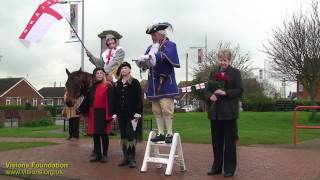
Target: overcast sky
[[248, 23]]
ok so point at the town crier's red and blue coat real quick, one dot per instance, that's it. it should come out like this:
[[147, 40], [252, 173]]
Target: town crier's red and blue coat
[[161, 77]]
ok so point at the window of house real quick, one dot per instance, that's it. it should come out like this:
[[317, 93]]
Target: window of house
[[18, 100], [48, 102], [60, 102], [8, 101], [34, 102]]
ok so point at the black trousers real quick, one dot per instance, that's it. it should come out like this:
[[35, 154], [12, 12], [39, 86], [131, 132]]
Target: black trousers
[[223, 134], [126, 129], [99, 139], [74, 127]]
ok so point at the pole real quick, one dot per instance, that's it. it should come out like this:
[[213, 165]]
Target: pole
[[186, 77], [206, 47], [82, 37]]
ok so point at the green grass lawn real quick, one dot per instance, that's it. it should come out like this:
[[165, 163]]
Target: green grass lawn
[[194, 127], [37, 132], [4, 146], [254, 127]]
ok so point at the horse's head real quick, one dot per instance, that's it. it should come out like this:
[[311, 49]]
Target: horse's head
[[77, 85]]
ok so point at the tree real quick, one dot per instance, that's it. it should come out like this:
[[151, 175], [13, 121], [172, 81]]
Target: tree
[[239, 61], [295, 50]]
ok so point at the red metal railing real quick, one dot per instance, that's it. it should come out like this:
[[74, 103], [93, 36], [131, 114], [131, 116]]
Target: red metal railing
[[297, 126]]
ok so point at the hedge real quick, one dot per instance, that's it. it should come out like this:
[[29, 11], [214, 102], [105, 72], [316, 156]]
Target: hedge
[[38, 122]]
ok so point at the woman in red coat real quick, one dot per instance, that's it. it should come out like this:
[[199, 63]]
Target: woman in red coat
[[98, 105]]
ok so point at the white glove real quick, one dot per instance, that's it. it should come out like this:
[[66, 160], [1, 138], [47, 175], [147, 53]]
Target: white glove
[[114, 116], [153, 59], [143, 57], [136, 115]]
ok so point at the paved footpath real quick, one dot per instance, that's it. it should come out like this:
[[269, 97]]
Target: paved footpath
[[282, 162]]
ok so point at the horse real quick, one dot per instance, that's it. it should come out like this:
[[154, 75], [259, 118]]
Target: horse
[[77, 85]]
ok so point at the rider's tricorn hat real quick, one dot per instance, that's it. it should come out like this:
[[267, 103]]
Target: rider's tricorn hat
[[110, 33], [159, 26]]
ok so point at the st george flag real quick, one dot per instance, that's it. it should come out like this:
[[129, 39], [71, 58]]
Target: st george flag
[[47, 13]]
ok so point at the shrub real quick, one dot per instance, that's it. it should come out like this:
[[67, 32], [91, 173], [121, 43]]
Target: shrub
[[54, 110], [259, 104], [38, 122], [302, 102]]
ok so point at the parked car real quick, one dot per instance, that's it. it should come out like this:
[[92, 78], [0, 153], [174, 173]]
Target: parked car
[[189, 108]]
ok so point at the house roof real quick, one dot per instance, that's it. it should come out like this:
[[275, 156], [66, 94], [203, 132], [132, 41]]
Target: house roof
[[7, 83], [52, 92]]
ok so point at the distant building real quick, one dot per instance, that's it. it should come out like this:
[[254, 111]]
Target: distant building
[[52, 96], [303, 93], [18, 91]]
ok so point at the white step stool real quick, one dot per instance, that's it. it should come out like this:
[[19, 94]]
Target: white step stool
[[152, 154]]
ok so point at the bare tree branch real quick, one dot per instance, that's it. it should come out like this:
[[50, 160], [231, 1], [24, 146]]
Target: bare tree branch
[[295, 49]]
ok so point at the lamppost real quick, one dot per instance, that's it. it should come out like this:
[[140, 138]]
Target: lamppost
[[82, 29], [205, 47]]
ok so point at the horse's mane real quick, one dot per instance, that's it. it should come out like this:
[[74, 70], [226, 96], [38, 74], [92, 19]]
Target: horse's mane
[[82, 78], [79, 73]]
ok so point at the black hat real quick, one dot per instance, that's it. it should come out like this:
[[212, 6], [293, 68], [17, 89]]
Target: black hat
[[110, 32], [157, 27], [97, 69], [124, 64]]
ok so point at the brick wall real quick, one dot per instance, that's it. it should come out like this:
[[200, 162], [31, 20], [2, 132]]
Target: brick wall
[[26, 115]]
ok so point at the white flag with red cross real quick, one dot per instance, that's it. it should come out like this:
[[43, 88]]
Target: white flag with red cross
[[184, 89], [202, 86], [47, 13], [188, 88]]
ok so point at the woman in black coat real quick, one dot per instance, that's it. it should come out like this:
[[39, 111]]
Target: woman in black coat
[[128, 97], [223, 92]]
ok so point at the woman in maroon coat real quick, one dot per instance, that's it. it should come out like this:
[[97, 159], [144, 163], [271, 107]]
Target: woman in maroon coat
[[98, 104]]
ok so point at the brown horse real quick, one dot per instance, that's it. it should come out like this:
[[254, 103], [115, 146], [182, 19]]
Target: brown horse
[[77, 85]]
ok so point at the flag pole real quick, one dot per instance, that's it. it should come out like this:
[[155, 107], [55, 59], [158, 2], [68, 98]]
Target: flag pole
[[76, 34]]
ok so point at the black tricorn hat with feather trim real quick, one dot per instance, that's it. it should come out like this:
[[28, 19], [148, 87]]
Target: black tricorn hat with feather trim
[[159, 26]]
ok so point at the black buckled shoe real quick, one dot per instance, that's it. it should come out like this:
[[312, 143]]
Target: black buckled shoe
[[168, 139], [213, 172], [132, 164], [159, 137], [96, 159], [228, 174], [123, 163], [104, 159]]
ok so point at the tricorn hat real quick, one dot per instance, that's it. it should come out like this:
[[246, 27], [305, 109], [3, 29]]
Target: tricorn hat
[[159, 26], [124, 64], [110, 33]]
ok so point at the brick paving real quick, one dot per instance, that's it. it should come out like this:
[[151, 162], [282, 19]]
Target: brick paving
[[254, 162]]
